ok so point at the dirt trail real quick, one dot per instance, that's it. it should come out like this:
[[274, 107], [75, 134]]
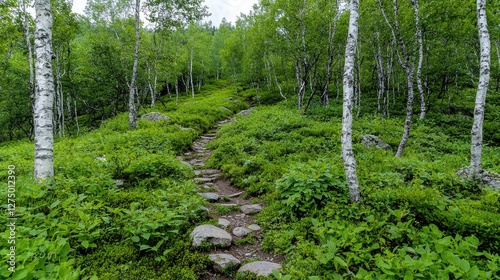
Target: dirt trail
[[226, 201]]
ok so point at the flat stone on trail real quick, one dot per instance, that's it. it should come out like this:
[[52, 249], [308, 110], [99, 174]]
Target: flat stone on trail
[[241, 231], [223, 223], [251, 209], [260, 268], [223, 261], [205, 180], [206, 172], [210, 196], [212, 235], [254, 227]]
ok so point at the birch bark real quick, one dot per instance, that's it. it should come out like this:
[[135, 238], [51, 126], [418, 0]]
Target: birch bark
[[132, 114], [44, 97], [484, 79], [348, 86], [420, 60]]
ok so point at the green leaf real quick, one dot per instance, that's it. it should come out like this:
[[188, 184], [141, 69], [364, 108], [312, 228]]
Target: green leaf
[[135, 238], [85, 244], [144, 247], [339, 261], [146, 236], [54, 204]]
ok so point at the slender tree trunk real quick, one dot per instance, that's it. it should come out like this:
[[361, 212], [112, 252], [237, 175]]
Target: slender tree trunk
[[484, 79], [27, 37], [132, 114], [420, 60], [348, 85], [408, 69], [191, 73], [44, 98]]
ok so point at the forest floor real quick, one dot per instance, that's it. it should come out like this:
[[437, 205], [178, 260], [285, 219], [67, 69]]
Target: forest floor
[[244, 248]]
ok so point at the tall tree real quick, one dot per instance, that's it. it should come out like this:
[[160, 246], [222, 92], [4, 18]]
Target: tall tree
[[348, 85], [132, 114], [482, 88], [44, 137], [406, 63]]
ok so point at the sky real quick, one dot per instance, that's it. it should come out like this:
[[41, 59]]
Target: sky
[[219, 9]]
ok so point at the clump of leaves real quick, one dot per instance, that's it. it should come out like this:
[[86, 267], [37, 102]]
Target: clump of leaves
[[309, 186]]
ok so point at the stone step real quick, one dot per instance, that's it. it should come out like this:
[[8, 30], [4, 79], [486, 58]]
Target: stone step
[[206, 172], [207, 137], [251, 209], [202, 180], [235, 194], [260, 268], [210, 196], [223, 262], [211, 234]]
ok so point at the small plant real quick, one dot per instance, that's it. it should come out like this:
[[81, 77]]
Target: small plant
[[309, 186]]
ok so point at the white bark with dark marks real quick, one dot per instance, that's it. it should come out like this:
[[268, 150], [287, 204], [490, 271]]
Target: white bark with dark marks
[[420, 59], [484, 79], [44, 97], [348, 86], [132, 113]]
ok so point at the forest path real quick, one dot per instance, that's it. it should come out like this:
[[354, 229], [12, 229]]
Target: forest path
[[234, 213]]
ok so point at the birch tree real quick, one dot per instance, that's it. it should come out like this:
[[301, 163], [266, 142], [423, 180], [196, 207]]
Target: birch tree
[[484, 79], [132, 114], [44, 138], [406, 63], [420, 59], [348, 86]]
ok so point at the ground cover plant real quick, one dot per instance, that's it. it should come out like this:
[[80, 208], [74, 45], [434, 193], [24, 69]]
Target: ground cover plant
[[84, 223]]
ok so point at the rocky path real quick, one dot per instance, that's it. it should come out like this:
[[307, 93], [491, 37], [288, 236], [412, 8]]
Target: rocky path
[[236, 239]]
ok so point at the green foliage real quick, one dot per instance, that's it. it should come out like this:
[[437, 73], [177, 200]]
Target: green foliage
[[417, 218], [84, 223], [308, 187]]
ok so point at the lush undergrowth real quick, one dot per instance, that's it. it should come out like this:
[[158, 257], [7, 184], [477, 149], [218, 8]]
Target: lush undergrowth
[[416, 219], [120, 204]]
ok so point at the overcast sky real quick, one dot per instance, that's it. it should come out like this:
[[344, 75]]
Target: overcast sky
[[218, 8]]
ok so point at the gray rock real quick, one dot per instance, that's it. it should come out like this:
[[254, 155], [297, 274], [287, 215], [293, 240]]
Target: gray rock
[[223, 223], [241, 231], [488, 178], [251, 209], [206, 172], [211, 234], [372, 141], [260, 268], [119, 182], [155, 117], [210, 196], [224, 108], [254, 227], [223, 261], [228, 204], [205, 180], [246, 112]]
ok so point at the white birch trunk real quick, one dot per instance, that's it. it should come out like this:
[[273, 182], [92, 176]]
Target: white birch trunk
[[44, 98], [484, 79], [132, 114], [348, 86], [407, 67], [27, 37], [191, 73], [420, 60]]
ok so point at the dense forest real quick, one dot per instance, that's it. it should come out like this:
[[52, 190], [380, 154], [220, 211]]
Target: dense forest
[[368, 138]]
